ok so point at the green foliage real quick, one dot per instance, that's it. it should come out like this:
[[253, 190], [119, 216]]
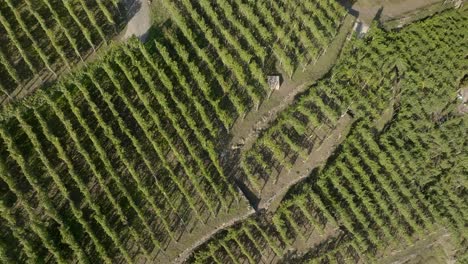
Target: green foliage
[[114, 162], [48, 35], [383, 188]]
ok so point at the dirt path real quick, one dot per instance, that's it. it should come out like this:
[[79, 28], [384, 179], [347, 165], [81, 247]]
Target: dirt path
[[196, 233], [188, 251], [140, 22]]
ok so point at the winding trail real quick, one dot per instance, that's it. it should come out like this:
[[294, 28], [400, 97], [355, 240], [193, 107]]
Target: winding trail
[[188, 251]]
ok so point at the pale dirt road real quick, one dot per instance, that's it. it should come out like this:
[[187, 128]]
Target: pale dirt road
[[140, 22], [188, 251]]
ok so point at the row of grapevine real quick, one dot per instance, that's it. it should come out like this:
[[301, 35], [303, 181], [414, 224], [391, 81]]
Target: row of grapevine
[[384, 188], [243, 43], [429, 133], [127, 159], [41, 38], [251, 242], [335, 249], [446, 205], [299, 128], [355, 193]]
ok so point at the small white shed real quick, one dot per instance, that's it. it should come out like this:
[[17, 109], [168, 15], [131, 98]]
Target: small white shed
[[274, 81]]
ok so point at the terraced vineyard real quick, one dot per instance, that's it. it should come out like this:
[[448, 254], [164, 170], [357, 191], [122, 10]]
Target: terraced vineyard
[[120, 161], [357, 198], [238, 42], [315, 115], [373, 194], [126, 159]]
